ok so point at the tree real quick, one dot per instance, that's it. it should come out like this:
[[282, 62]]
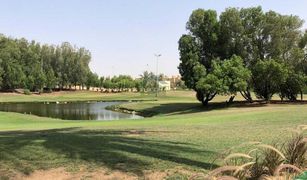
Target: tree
[[200, 51], [148, 81], [138, 84], [92, 80], [107, 83], [303, 40], [234, 75], [240, 34], [81, 68], [231, 36], [268, 77], [294, 84], [191, 68], [101, 81], [13, 76], [180, 84], [252, 22], [1, 74], [227, 78], [29, 83], [39, 80], [303, 53], [50, 79], [123, 82], [204, 27], [208, 86]]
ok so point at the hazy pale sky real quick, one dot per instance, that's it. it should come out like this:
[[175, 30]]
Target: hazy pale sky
[[122, 35]]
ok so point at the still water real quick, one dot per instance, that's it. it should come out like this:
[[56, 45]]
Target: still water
[[69, 111]]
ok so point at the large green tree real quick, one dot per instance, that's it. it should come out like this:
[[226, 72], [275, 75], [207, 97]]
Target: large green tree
[[302, 65], [227, 77], [197, 51], [268, 77], [200, 51], [293, 85]]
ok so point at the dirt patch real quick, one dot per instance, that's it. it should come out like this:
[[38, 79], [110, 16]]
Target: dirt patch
[[10, 94], [62, 174], [84, 174], [135, 133], [175, 173], [155, 175]]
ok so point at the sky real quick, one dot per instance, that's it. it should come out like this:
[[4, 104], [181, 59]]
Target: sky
[[122, 35]]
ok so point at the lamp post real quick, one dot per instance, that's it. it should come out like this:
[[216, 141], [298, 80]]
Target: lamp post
[[157, 76]]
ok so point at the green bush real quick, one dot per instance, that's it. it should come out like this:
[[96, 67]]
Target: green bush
[[27, 92], [47, 90], [268, 76], [293, 86]]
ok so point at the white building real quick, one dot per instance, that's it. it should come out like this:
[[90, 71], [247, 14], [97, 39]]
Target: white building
[[165, 85]]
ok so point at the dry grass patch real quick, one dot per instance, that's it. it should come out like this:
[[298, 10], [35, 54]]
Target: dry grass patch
[[83, 174], [62, 174]]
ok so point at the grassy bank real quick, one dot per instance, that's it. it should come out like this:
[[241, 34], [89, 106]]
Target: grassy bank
[[73, 96], [182, 135]]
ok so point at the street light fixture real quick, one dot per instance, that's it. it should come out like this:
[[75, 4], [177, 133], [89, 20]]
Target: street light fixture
[[157, 77]]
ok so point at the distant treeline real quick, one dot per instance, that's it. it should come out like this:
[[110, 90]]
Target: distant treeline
[[31, 65], [146, 82]]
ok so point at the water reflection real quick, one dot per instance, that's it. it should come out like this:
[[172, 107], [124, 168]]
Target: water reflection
[[69, 111]]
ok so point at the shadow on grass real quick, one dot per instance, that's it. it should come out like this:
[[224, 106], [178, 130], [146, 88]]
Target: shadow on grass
[[126, 151], [188, 108]]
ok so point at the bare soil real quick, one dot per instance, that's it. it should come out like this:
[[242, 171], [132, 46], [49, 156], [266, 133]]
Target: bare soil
[[62, 174], [84, 174]]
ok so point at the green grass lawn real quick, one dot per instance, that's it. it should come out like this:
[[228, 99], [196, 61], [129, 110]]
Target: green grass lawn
[[73, 96], [182, 134]]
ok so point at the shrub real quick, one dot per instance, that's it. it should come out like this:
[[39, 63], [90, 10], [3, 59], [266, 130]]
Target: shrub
[[293, 86], [47, 90], [40, 91], [27, 92], [268, 76]]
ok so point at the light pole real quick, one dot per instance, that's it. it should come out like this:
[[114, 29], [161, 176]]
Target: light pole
[[157, 76]]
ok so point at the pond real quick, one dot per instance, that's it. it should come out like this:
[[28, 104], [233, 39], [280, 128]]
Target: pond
[[69, 110]]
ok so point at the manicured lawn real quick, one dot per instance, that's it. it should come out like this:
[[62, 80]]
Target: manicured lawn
[[183, 134], [73, 96]]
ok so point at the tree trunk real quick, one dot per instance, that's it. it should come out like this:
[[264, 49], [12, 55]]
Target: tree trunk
[[208, 98], [302, 97], [231, 99], [267, 97], [247, 95], [204, 98], [205, 102]]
